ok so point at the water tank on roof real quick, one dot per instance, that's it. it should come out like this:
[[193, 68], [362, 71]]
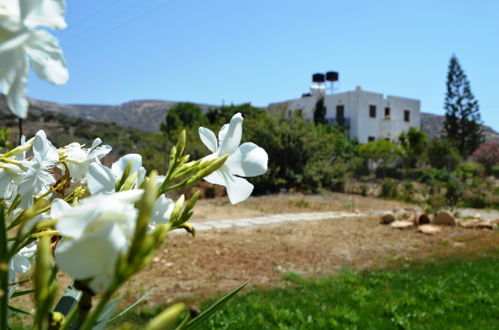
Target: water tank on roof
[[318, 78], [332, 76]]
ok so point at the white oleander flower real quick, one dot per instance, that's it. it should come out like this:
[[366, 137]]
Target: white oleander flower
[[245, 160], [21, 261], [95, 233], [38, 178], [162, 211], [10, 175], [78, 159], [22, 44], [102, 179]]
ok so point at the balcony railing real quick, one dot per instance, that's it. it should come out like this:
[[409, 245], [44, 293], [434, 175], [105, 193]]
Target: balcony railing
[[341, 122]]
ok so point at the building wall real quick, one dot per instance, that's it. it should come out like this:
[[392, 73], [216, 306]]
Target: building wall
[[356, 112]]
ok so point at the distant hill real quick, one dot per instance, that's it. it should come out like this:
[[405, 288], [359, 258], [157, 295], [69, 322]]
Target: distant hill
[[433, 126], [146, 115]]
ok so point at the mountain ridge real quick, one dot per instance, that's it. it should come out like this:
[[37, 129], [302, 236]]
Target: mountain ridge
[[147, 115]]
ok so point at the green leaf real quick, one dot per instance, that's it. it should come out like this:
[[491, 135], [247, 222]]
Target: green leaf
[[19, 310], [68, 301], [21, 293], [213, 308], [4, 271], [106, 314], [132, 306], [12, 290]]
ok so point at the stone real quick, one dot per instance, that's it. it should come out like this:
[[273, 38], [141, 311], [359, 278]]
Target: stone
[[387, 219], [402, 224], [469, 223], [423, 219], [429, 229], [444, 218], [478, 224]]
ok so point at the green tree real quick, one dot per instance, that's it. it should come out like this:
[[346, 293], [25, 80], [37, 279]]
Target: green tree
[[320, 112], [183, 115], [381, 150], [414, 143], [462, 114], [441, 154]]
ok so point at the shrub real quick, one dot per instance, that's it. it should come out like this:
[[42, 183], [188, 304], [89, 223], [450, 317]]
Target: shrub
[[389, 188], [443, 155], [468, 170], [487, 155], [408, 191], [495, 171]]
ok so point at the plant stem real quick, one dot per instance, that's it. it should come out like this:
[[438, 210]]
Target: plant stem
[[89, 322], [4, 272]]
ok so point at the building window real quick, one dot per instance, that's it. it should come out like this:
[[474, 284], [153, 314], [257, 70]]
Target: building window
[[372, 111], [371, 139], [407, 115], [340, 114], [387, 112]]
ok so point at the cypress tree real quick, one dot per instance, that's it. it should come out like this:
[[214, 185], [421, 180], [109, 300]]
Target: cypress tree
[[462, 125], [320, 112]]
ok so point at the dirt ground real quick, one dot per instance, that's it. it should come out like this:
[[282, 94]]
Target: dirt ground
[[220, 208], [217, 261]]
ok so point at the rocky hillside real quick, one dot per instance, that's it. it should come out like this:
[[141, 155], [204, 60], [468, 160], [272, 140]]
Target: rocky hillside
[[144, 115], [434, 124]]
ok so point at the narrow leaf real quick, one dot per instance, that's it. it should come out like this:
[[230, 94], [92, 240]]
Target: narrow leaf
[[106, 314], [132, 306], [19, 310], [4, 272], [21, 293], [213, 308], [12, 290]]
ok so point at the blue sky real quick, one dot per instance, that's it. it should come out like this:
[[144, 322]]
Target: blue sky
[[264, 51]]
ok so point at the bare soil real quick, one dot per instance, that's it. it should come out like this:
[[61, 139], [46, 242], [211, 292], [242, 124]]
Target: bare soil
[[218, 261], [220, 208]]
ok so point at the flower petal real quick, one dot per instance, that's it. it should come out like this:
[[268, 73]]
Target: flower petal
[[100, 179], [232, 139], [47, 13], [209, 139], [20, 264], [16, 93], [119, 166], [59, 206], [93, 255], [46, 57], [248, 160], [43, 150], [162, 210], [216, 178], [98, 151], [238, 189]]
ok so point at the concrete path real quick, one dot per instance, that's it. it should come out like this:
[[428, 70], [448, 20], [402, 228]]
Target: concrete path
[[270, 220], [312, 216]]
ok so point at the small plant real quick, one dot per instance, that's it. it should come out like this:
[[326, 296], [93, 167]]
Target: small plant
[[389, 188]]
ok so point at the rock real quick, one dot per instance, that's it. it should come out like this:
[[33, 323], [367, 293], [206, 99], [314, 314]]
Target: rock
[[402, 224], [423, 219], [429, 229], [469, 223], [445, 218], [478, 224], [387, 219]]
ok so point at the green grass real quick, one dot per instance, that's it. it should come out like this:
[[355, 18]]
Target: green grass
[[448, 294]]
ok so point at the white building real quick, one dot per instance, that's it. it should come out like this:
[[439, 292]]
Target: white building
[[367, 116]]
